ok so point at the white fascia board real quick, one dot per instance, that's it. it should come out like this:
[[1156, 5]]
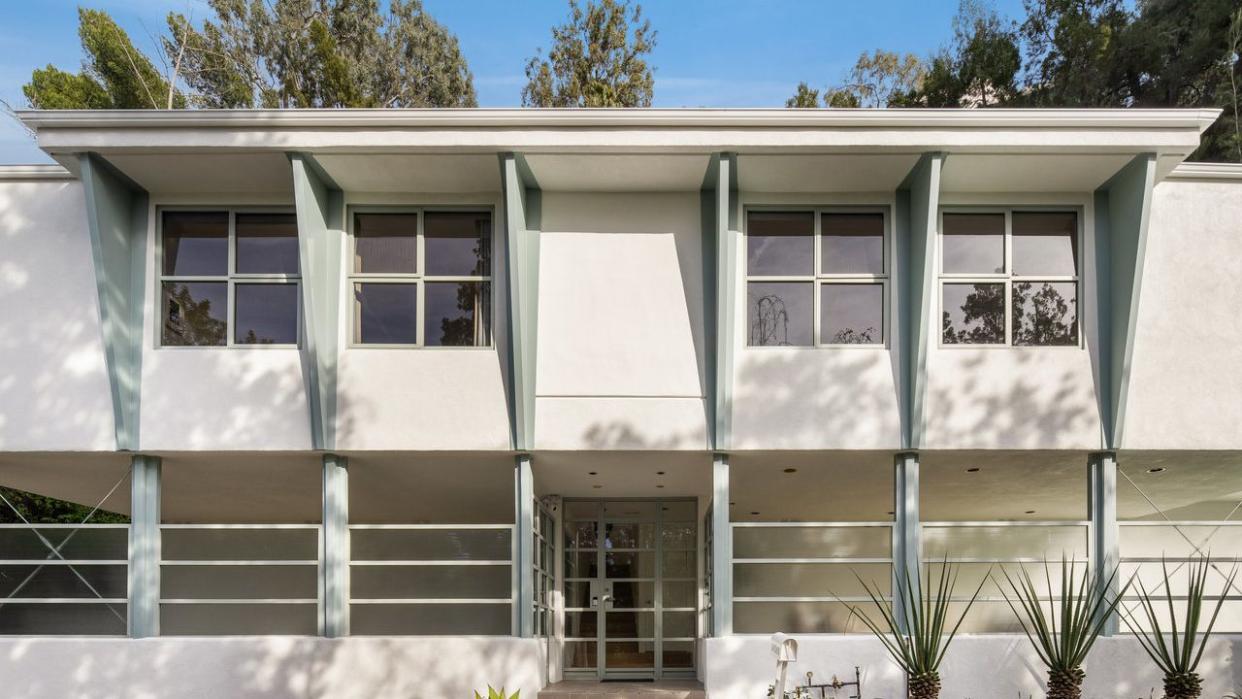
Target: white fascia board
[[35, 172], [625, 131], [1207, 171]]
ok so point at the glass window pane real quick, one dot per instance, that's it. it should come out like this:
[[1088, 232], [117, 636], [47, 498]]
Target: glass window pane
[[973, 244], [267, 244], [629, 564], [196, 243], [1045, 313], [239, 582], [780, 243], [194, 313], [458, 244], [852, 244], [386, 243], [678, 654], [103, 619], [430, 619], [458, 314], [239, 544], [973, 314], [430, 582], [780, 313], [811, 542], [851, 314], [62, 581], [1045, 243], [581, 654], [238, 619], [386, 314], [801, 617], [463, 544], [265, 314]]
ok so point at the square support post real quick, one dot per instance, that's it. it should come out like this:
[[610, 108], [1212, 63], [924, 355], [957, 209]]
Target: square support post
[[334, 569], [524, 548], [144, 546], [907, 547], [1105, 542], [722, 549]]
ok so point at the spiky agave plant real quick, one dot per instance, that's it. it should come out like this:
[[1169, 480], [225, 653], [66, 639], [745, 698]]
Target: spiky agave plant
[[495, 694], [918, 634], [1063, 637], [1177, 652]]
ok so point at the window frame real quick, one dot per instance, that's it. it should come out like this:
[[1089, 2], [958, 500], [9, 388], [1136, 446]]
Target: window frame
[[418, 278], [231, 278], [818, 279], [1007, 278]]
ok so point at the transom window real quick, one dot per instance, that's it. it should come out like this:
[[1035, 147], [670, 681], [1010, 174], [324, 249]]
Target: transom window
[[816, 278], [422, 278], [1009, 278], [228, 278]]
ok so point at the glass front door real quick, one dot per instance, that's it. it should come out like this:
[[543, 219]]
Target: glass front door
[[631, 588]]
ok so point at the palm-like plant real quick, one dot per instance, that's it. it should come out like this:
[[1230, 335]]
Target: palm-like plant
[[917, 634], [1063, 637], [1178, 655]]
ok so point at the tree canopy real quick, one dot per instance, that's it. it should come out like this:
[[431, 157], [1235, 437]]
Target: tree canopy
[[1068, 53], [264, 53], [597, 59]]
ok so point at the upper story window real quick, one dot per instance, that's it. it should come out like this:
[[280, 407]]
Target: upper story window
[[1009, 278], [422, 278], [228, 278], [816, 278]]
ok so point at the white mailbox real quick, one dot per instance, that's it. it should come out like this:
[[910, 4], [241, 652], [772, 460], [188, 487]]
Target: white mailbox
[[785, 648]]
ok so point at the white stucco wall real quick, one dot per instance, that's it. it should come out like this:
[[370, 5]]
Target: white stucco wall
[[267, 667], [620, 341], [54, 392], [1186, 374], [993, 667]]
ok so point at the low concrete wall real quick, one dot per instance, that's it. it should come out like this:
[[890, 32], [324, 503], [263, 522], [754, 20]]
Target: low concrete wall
[[267, 667], [976, 667]]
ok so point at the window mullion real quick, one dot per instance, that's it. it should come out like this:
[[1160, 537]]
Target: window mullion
[[817, 231]]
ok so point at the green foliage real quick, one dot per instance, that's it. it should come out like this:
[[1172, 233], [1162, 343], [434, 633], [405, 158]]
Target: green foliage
[[1064, 633], [115, 74], [879, 79], [40, 509], [804, 98], [496, 694], [917, 634], [597, 59], [320, 53], [1177, 652], [981, 67]]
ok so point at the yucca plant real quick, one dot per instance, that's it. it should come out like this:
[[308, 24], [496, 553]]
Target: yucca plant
[[1062, 637], [494, 694], [917, 640], [1177, 652]]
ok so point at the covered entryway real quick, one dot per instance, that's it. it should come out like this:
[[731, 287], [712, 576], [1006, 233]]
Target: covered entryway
[[630, 588]]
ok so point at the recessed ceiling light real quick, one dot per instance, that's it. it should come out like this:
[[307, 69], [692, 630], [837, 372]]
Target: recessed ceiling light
[[1030, 512], [754, 513], [733, 503], [592, 473], [597, 486], [660, 486], [1156, 470], [791, 470], [659, 473], [890, 513], [972, 470]]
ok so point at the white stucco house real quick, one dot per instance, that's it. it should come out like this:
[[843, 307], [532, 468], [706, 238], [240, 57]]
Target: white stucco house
[[403, 403]]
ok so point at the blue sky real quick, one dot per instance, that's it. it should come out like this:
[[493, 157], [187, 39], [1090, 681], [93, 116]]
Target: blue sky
[[710, 53]]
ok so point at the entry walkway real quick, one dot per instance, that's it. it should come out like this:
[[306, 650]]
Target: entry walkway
[[664, 689]]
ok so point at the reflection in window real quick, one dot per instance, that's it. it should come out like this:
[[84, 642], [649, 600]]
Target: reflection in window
[[448, 256], [797, 296], [1040, 278], [197, 285], [973, 314]]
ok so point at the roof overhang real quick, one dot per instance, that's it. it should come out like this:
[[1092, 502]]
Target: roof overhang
[[623, 149]]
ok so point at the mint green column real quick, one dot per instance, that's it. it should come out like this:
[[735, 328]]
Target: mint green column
[[907, 540], [321, 233], [144, 546], [917, 216], [523, 211], [334, 568], [1122, 213], [1105, 534], [117, 222]]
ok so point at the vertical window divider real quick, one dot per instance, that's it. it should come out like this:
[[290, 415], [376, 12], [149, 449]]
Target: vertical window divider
[[1008, 246]]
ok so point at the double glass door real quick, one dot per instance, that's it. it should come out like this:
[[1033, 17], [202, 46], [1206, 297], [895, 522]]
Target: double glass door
[[631, 588]]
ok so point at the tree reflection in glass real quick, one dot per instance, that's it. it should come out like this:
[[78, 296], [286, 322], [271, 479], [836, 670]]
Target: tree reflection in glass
[[194, 313], [973, 314], [1045, 313]]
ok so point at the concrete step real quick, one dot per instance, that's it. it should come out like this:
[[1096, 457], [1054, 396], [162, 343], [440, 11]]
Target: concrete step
[[665, 689]]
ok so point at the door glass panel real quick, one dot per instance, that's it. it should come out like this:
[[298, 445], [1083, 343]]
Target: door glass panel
[[581, 624], [580, 510], [680, 594], [678, 654], [631, 510], [630, 595], [678, 625], [577, 594], [630, 655], [629, 564], [629, 624], [581, 654], [629, 536], [582, 535], [678, 535], [679, 564], [580, 565]]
